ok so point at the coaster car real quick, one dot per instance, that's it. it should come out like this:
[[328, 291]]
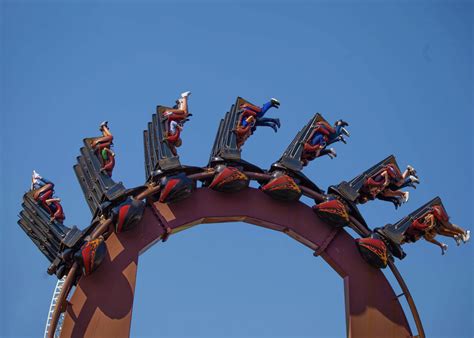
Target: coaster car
[[287, 176], [383, 181], [60, 244], [426, 222]]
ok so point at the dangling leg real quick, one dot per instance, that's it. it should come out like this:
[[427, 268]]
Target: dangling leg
[[409, 171], [340, 128], [104, 141], [457, 230], [265, 120], [455, 236], [267, 123], [43, 198], [104, 128], [175, 114], [402, 195], [183, 102], [106, 137], [430, 237], [331, 152], [272, 103]]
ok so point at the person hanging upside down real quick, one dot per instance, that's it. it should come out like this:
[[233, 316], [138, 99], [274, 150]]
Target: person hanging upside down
[[258, 114], [102, 147], [378, 184], [56, 210], [43, 194], [252, 117], [435, 222], [108, 161], [43, 189], [323, 135], [174, 120]]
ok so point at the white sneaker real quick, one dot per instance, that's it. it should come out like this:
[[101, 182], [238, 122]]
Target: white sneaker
[[444, 248], [185, 94], [36, 175], [332, 153], [414, 179], [466, 236], [406, 195]]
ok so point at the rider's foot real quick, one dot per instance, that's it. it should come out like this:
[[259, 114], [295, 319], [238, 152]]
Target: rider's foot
[[185, 94], [275, 103], [274, 127], [341, 123], [414, 179], [103, 124], [411, 170], [277, 121], [332, 153], [458, 239], [406, 196], [466, 236], [444, 248]]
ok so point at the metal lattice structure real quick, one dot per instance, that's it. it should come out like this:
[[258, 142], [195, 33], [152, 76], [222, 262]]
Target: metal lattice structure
[[52, 306]]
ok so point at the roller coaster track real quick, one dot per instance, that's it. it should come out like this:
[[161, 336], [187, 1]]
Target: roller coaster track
[[92, 314], [54, 302]]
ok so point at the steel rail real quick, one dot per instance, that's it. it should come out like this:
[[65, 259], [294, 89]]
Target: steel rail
[[61, 299]]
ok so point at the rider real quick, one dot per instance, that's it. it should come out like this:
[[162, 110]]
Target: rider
[[102, 145], [108, 161], [257, 113], [432, 223], [323, 135], [44, 190], [390, 174], [175, 118]]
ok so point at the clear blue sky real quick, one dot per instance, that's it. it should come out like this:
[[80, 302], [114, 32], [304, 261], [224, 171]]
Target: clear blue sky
[[401, 73]]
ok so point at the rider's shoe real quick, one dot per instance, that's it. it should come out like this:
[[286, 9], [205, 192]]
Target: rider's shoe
[[103, 124], [185, 94], [332, 153], [406, 196], [411, 170], [466, 236], [341, 123], [275, 103], [277, 121], [444, 248], [342, 139], [414, 179]]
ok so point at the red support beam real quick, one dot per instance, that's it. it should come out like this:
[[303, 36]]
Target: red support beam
[[102, 303]]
